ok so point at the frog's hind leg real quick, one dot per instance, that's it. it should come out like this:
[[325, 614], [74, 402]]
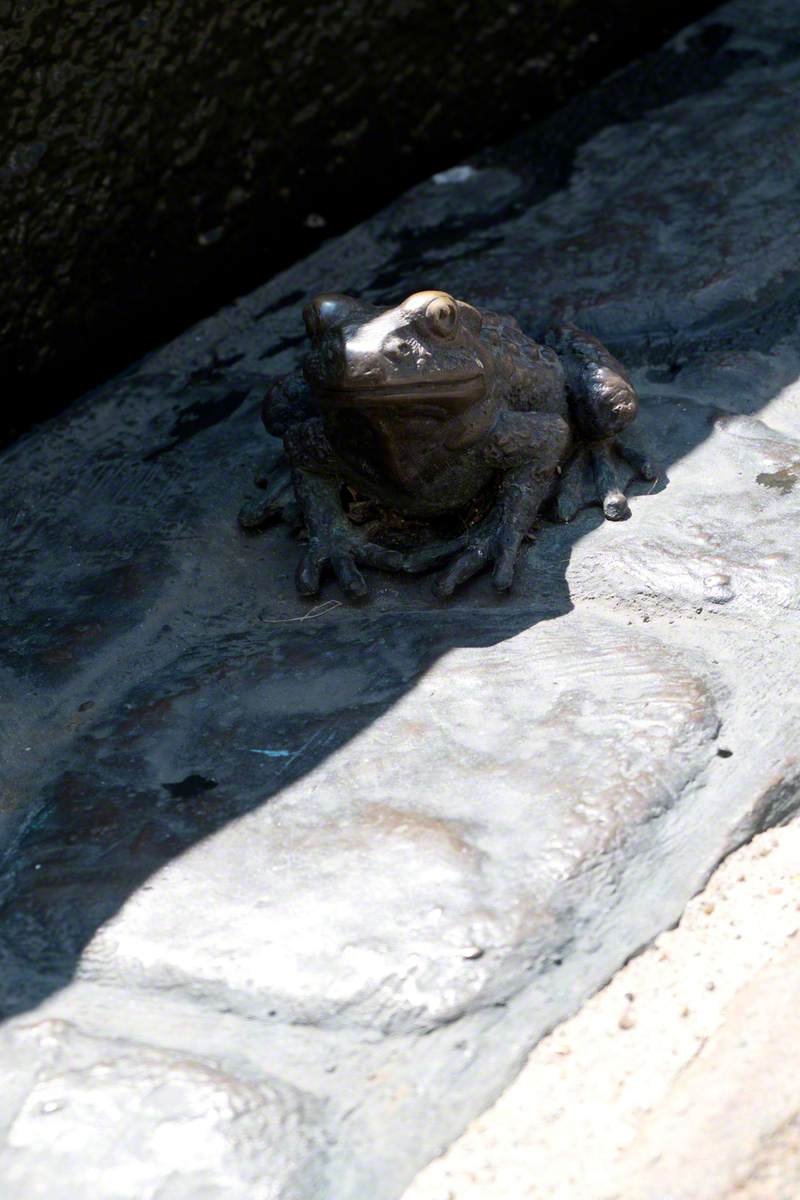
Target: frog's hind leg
[[614, 465], [636, 454], [599, 472], [576, 486], [603, 403], [431, 557]]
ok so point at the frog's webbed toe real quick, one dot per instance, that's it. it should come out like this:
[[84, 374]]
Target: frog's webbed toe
[[576, 487], [636, 455], [496, 548], [591, 477], [609, 484], [343, 555], [333, 543], [472, 560], [599, 473], [433, 556]]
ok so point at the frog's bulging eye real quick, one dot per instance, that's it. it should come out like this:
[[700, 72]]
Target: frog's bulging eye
[[442, 316], [326, 311]]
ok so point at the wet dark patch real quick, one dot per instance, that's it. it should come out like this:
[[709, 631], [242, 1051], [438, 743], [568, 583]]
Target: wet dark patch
[[214, 369], [284, 302], [711, 38], [782, 481], [284, 344], [199, 416], [408, 269], [191, 786]]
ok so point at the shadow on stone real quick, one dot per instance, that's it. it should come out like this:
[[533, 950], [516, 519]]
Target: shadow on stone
[[213, 733], [350, 828]]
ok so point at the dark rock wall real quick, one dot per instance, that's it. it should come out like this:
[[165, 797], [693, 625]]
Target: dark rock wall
[[159, 158]]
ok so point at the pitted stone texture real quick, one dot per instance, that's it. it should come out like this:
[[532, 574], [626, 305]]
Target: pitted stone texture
[[680, 1079], [639, 238], [92, 1117], [433, 865], [743, 1093], [647, 249]]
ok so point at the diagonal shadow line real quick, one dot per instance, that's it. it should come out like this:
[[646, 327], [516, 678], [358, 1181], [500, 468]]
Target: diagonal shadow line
[[219, 729]]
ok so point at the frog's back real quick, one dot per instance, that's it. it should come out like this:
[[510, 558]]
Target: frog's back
[[530, 377]]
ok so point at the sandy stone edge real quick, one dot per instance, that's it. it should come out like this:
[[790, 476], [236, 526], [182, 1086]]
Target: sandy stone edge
[[680, 1079]]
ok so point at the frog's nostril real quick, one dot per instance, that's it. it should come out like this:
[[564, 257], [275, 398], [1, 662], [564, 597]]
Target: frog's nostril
[[365, 370], [398, 350]]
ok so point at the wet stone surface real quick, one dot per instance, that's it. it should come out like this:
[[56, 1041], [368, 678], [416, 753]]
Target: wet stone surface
[[305, 882]]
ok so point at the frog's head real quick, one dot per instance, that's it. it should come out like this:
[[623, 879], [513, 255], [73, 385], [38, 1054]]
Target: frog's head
[[425, 355]]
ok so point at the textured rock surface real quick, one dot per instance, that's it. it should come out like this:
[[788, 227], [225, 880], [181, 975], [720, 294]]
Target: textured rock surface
[[371, 855], [158, 157], [492, 780], [731, 536], [82, 1116], [680, 1079]]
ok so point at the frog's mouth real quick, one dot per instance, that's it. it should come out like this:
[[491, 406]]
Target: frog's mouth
[[447, 395]]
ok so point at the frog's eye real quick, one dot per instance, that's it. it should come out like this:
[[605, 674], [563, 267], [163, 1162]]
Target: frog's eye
[[442, 316], [325, 311]]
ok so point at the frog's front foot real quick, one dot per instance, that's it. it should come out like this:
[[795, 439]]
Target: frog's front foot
[[487, 547], [333, 542], [598, 473], [343, 552], [494, 543]]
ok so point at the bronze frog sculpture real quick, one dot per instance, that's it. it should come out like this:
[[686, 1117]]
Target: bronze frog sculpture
[[433, 433]]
